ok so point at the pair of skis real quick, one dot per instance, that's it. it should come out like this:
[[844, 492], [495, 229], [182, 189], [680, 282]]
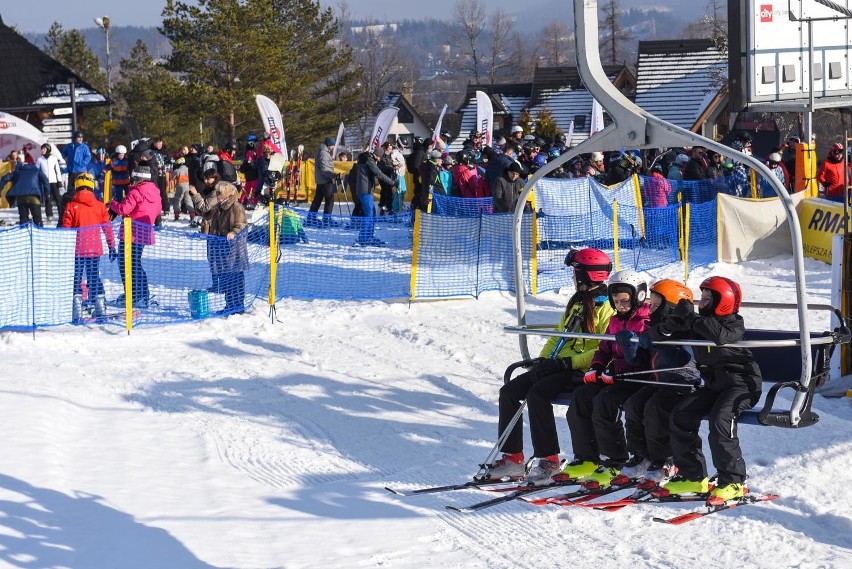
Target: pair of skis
[[585, 496]]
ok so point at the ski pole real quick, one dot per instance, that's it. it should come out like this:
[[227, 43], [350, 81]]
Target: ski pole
[[652, 382], [650, 371]]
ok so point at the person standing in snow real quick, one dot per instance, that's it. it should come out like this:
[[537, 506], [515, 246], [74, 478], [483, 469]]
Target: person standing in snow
[[89, 216], [143, 205], [732, 384], [558, 368]]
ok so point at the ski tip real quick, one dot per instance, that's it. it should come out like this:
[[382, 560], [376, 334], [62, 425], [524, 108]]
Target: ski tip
[[394, 491], [461, 510]]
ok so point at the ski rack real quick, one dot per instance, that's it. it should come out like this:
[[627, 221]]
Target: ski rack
[[634, 128]]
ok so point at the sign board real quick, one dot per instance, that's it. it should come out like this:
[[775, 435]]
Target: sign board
[[58, 137], [51, 128], [62, 111], [820, 220], [63, 120], [770, 50]]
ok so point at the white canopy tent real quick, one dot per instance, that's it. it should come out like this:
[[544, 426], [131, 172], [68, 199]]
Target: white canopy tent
[[18, 134]]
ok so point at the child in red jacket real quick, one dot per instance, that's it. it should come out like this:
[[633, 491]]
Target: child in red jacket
[[88, 214]]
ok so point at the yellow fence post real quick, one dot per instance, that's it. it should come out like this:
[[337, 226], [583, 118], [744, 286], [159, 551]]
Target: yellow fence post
[[273, 256], [615, 248], [534, 255], [414, 250], [128, 274], [107, 186], [686, 243]]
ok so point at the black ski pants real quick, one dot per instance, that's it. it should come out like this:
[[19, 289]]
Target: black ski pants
[[323, 192], [594, 418], [646, 420], [723, 408], [538, 390]]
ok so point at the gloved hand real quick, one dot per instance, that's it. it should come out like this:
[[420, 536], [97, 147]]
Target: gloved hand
[[624, 338], [113, 254], [608, 377], [592, 375], [684, 308], [549, 366], [675, 323]]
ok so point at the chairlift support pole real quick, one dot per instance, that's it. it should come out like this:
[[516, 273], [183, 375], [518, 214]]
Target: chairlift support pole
[[635, 128]]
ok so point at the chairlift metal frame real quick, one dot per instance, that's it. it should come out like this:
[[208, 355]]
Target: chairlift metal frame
[[634, 128]]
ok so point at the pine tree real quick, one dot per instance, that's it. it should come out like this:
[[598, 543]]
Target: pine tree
[[525, 121], [545, 124], [155, 100], [226, 51]]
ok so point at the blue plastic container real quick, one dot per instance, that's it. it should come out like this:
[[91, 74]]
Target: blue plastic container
[[199, 307]]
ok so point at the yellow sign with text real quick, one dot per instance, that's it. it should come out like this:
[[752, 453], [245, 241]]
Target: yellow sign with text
[[820, 221]]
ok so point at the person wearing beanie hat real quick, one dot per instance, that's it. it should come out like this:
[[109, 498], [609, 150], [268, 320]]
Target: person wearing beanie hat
[[324, 177], [430, 182], [507, 189]]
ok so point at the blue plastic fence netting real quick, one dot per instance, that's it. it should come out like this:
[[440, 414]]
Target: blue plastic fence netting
[[703, 233], [460, 207], [343, 256], [44, 269]]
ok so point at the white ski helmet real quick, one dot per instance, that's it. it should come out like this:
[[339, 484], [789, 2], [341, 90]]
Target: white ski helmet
[[121, 149], [630, 282]]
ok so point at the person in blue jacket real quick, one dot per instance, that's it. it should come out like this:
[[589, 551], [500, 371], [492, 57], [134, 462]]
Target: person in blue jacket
[[29, 189], [77, 155]]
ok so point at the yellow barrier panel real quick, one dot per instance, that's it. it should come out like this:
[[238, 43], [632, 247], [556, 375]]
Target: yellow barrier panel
[[806, 169], [820, 221], [107, 186], [128, 274], [414, 249], [5, 168], [273, 254], [615, 247]]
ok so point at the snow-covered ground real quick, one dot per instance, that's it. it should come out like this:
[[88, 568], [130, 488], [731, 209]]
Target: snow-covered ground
[[248, 443]]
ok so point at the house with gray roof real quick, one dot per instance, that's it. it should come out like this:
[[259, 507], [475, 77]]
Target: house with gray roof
[[684, 82], [559, 89]]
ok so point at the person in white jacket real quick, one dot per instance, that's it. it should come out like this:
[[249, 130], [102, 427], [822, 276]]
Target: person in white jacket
[[49, 163]]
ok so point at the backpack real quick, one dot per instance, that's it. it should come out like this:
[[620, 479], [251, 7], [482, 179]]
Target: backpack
[[249, 170], [228, 172]]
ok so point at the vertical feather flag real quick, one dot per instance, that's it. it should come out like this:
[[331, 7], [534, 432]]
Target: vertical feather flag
[[436, 133], [337, 142], [272, 123], [384, 122], [597, 123], [484, 117]]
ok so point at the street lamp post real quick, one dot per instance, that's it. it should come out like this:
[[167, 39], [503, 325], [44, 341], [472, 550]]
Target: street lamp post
[[104, 23]]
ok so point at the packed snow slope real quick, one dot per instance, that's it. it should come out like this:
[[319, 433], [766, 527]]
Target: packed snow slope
[[248, 443]]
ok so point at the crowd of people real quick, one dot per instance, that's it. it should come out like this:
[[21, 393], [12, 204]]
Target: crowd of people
[[658, 444]]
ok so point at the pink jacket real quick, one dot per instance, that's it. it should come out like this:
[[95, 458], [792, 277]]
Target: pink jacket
[[142, 205], [656, 191], [609, 354]]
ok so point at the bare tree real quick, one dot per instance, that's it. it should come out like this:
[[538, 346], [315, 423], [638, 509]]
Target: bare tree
[[521, 63], [556, 44], [500, 26], [465, 35], [714, 25], [612, 43]]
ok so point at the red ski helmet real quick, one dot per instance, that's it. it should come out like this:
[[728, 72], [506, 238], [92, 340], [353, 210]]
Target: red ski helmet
[[727, 296], [590, 265]]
